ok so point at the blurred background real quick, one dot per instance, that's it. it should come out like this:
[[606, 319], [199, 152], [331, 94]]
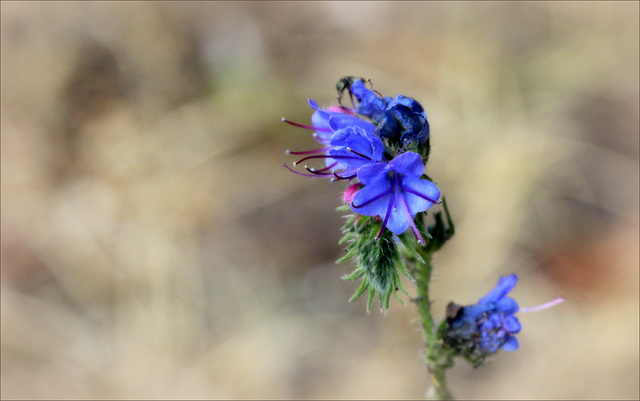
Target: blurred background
[[154, 247]]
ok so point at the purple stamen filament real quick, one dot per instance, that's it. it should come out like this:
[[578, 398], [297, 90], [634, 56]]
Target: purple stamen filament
[[543, 306], [375, 198], [325, 157], [359, 154], [307, 126], [309, 152], [350, 177], [299, 173], [329, 167], [322, 173], [411, 191], [416, 233]]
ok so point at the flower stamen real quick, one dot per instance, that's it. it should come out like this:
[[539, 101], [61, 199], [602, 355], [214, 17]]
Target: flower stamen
[[309, 127], [351, 177], [302, 174], [543, 306], [329, 167], [359, 154], [375, 198], [416, 193], [317, 172], [308, 152], [324, 157], [416, 233]]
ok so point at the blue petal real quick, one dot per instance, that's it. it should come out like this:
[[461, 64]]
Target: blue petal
[[472, 312], [406, 117], [413, 105], [363, 95], [510, 344], [354, 148], [496, 320], [370, 104], [511, 324], [367, 174], [399, 220], [505, 285], [320, 119], [340, 137], [313, 104], [379, 186], [507, 306], [489, 344], [426, 188], [408, 163], [360, 141], [340, 120], [389, 127], [420, 135], [486, 326]]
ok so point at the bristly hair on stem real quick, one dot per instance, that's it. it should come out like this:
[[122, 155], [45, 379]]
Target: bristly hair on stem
[[378, 261]]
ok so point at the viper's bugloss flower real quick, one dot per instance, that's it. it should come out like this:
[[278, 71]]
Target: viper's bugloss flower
[[489, 325], [369, 103], [353, 147], [395, 192], [334, 118], [403, 118], [326, 123], [349, 149]]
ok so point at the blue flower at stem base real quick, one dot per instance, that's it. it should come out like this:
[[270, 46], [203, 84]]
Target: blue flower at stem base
[[479, 330]]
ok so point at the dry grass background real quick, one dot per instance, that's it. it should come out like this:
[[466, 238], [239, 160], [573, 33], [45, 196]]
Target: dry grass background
[[153, 246]]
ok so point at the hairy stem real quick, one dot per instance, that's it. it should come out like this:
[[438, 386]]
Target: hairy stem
[[437, 359]]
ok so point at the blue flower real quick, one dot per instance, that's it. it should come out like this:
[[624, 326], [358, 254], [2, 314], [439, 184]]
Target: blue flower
[[353, 148], [326, 122], [395, 192], [405, 118], [402, 117], [479, 330], [341, 121], [490, 324], [369, 104]]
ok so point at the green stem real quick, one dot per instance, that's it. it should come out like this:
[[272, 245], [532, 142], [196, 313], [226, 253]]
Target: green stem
[[437, 359]]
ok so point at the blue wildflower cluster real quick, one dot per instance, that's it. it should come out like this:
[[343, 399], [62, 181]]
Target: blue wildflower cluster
[[381, 143], [374, 142]]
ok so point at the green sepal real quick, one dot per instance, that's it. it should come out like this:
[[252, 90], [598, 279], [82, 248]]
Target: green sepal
[[372, 294], [360, 291], [350, 254], [356, 274], [378, 260]]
